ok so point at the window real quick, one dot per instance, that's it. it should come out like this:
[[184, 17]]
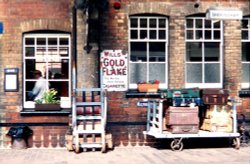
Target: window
[[148, 36], [203, 52], [49, 55], [245, 53]]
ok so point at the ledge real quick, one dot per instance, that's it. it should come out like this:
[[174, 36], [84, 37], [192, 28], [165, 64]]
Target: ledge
[[32, 112], [135, 93]]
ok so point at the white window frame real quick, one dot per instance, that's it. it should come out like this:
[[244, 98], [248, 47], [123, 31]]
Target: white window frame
[[46, 35], [245, 85], [203, 40], [148, 40]]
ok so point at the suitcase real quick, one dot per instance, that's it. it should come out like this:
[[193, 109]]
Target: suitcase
[[215, 96], [182, 116], [184, 93], [183, 129]]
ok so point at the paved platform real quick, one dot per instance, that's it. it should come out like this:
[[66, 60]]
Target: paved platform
[[127, 155]]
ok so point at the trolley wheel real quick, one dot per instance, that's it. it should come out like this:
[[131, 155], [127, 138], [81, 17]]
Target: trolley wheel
[[176, 145], [77, 148], [104, 148], [236, 143]]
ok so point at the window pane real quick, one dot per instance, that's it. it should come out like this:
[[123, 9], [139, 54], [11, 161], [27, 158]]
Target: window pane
[[198, 34], [190, 34], [133, 22], [143, 34], [208, 34], [30, 66], [29, 86], [138, 72], [59, 70], [29, 41], [61, 87], [190, 23], [52, 41], [162, 23], [245, 51], [194, 73], [64, 51], [217, 34], [162, 34], [244, 24], [29, 51], [244, 34], [207, 23], [212, 73], [245, 78], [134, 34], [217, 24], [157, 51], [198, 23], [194, 52], [157, 71], [152, 23], [152, 34], [41, 41], [64, 41], [143, 22], [212, 51], [138, 51]]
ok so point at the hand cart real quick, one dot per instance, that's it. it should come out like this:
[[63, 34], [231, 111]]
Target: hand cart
[[155, 127]]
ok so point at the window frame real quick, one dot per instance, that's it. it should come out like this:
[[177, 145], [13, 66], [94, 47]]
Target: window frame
[[247, 40], [148, 41], [46, 35], [203, 41]]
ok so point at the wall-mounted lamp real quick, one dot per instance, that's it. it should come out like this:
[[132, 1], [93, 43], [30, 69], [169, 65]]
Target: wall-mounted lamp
[[117, 4]]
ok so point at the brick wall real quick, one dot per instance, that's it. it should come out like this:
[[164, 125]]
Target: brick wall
[[19, 17]]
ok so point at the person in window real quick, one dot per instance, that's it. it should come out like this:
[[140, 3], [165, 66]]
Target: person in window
[[40, 86]]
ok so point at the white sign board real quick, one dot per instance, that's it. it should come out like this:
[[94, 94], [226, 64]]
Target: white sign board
[[224, 14], [114, 70]]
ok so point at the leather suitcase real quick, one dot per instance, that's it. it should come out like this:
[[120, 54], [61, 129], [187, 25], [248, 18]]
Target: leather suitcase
[[182, 116], [183, 129], [215, 96]]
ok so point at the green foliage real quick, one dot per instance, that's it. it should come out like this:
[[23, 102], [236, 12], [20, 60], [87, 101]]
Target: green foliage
[[49, 97]]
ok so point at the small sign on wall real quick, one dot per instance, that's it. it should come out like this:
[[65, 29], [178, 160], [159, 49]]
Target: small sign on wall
[[11, 79], [114, 70]]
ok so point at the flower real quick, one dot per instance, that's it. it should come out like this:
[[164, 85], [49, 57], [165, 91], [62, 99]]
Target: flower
[[149, 82], [49, 97]]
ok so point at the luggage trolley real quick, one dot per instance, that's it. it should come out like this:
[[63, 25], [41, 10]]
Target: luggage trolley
[[155, 127]]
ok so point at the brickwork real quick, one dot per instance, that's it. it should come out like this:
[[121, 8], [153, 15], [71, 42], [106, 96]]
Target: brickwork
[[19, 17]]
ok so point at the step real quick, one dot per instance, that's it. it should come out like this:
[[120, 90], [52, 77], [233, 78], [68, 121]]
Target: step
[[88, 103], [89, 131], [89, 117]]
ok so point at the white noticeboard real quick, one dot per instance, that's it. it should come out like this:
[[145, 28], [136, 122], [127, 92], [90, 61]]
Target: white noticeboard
[[114, 70]]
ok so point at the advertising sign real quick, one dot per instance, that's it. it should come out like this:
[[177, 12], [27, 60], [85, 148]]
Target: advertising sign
[[224, 14], [114, 70]]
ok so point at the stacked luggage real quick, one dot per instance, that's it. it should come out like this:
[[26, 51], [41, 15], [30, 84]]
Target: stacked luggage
[[192, 109]]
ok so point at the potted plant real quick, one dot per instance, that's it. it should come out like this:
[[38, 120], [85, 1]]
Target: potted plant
[[150, 86], [48, 101]]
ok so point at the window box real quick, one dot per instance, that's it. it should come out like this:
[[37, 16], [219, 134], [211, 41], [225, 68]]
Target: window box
[[148, 87], [47, 107]]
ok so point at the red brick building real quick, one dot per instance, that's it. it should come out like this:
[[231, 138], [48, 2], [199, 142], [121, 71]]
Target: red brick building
[[172, 41]]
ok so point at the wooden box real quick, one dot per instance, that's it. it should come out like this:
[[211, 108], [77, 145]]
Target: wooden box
[[182, 116], [215, 96], [183, 129]]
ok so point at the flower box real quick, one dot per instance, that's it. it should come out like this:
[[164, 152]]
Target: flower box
[[47, 107], [148, 87]]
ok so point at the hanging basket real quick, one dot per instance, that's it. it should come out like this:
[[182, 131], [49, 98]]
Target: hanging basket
[[148, 87]]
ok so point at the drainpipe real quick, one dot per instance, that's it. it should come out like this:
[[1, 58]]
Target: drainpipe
[[74, 46]]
